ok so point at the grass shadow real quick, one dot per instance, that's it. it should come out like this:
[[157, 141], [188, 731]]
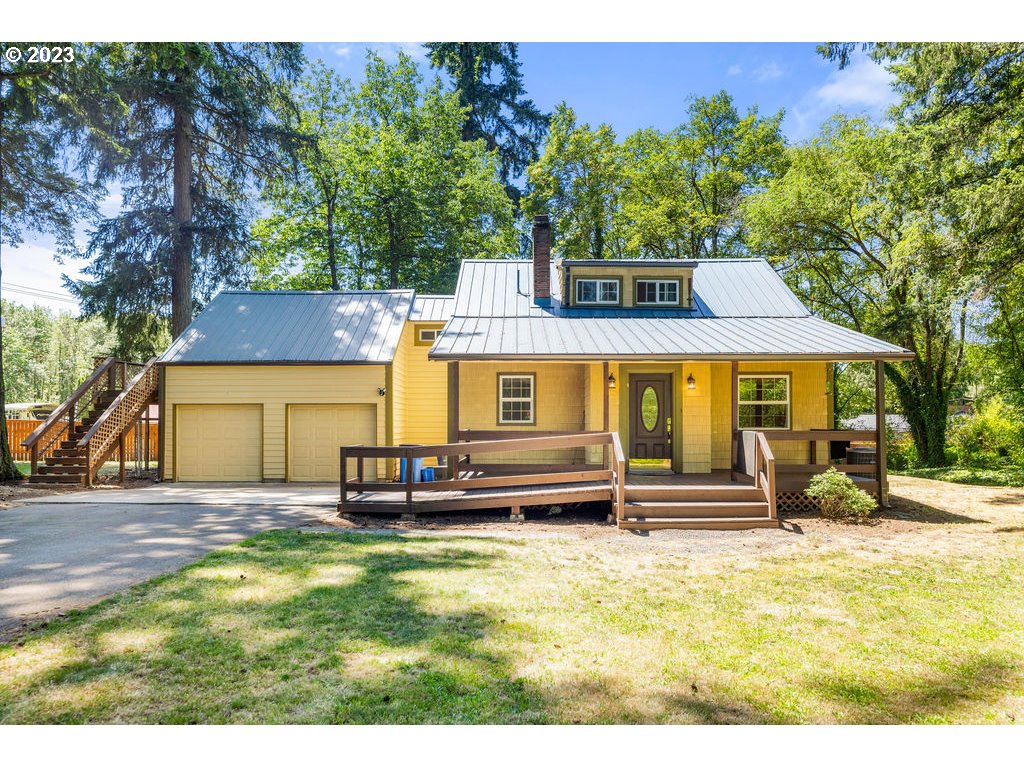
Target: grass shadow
[[906, 509]]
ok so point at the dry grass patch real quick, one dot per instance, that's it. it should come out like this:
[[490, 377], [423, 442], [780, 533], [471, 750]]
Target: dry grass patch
[[691, 627]]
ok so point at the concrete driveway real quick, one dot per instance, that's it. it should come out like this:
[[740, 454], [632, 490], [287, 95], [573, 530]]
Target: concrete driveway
[[72, 550]]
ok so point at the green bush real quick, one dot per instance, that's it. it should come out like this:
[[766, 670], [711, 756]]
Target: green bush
[[901, 453], [839, 498], [991, 438]]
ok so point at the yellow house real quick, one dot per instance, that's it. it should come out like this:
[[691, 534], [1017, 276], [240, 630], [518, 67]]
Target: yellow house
[[708, 372]]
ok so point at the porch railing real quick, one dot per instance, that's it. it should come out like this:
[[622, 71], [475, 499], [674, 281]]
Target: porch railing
[[494, 476], [762, 467]]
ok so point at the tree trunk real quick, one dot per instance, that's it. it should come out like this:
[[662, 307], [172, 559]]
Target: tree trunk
[[332, 255], [8, 471], [181, 244], [927, 411]]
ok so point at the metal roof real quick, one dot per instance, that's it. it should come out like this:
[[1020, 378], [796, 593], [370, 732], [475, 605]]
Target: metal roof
[[428, 308], [652, 337], [742, 309], [721, 288], [295, 327]]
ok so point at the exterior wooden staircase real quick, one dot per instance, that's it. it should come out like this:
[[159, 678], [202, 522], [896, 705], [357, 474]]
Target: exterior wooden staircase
[[79, 436], [652, 507]]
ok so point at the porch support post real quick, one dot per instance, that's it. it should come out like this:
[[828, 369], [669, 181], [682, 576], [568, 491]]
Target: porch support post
[[735, 395], [606, 422], [453, 417], [880, 447]]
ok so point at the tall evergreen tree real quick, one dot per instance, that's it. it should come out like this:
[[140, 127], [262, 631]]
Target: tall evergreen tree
[[199, 131], [490, 86], [51, 115]]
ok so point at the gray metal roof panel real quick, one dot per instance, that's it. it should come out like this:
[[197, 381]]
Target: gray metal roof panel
[[431, 308], [721, 288], [295, 327], [656, 337]]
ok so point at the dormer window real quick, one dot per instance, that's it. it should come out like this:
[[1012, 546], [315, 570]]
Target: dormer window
[[664, 292], [595, 291]]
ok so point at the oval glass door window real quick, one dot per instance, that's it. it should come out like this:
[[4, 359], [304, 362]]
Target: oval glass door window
[[649, 409]]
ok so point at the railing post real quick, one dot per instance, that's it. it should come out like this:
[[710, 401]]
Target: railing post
[[120, 458], [344, 476], [35, 457], [757, 462], [88, 465], [408, 480], [359, 468]]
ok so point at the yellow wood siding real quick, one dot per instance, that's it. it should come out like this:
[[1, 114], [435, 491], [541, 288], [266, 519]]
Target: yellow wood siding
[[274, 387], [560, 403], [316, 431], [721, 415], [421, 391], [219, 442], [695, 430]]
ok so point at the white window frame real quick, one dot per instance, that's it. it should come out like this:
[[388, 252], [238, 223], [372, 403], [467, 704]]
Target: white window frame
[[658, 282], [788, 402], [599, 281], [532, 399], [432, 331]]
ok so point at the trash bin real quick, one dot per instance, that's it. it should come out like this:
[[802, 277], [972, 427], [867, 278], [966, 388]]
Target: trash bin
[[856, 456], [427, 475], [417, 467]]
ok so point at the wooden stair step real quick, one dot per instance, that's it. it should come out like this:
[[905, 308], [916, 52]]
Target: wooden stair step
[[693, 493], [65, 461], [707, 523], [59, 469], [695, 509], [57, 479]]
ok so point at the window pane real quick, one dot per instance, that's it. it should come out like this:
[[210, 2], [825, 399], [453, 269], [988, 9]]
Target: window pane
[[773, 416], [748, 389], [773, 389], [609, 291], [645, 292], [586, 290], [668, 293]]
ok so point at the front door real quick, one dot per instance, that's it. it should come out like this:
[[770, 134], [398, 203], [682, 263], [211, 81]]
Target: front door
[[650, 420]]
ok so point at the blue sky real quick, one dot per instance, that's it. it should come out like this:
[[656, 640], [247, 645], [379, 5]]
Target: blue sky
[[628, 85]]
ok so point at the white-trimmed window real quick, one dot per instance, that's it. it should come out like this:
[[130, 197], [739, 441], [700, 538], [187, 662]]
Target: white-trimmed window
[[427, 335], [764, 402], [593, 291], [657, 292], [517, 398]]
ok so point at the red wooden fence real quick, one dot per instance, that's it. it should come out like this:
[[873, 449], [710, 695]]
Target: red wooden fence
[[19, 429]]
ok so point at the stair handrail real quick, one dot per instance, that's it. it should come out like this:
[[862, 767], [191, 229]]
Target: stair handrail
[[618, 462], [764, 471], [68, 411], [114, 422]]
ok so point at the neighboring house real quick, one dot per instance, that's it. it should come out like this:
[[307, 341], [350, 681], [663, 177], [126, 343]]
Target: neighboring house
[[896, 422], [711, 373]]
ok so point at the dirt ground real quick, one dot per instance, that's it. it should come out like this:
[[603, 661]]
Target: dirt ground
[[925, 516], [11, 495]]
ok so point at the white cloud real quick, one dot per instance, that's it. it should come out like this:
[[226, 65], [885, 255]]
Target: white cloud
[[863, 87], [389, 51], [863, 83], [768, 71], [343, 52], [734, 70]]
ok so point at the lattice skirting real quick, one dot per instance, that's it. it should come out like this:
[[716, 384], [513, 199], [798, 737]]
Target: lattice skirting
[[795, 503]]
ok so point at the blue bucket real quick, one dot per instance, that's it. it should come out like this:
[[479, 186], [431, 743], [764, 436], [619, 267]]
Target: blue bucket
[[427, 474]]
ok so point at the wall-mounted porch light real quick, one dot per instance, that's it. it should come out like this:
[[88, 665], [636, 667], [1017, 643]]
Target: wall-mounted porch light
[[611, 381], [690, 382], [381, 391]]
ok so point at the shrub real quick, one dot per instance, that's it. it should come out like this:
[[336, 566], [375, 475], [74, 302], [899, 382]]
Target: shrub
[[901, 453], [988, 439], [839, 498]]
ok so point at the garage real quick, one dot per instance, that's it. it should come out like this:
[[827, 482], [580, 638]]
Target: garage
[[219, 442], [315, 432]]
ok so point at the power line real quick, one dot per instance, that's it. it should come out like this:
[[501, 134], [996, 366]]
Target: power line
[[60, 294], [41, 296]]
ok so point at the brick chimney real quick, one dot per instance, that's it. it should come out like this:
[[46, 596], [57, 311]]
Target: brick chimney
[[541, 260]]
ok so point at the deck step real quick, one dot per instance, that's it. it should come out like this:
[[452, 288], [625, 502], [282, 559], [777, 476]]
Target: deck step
[[59, 469], [707, 523], [65, 461], [642, 492], [78, 479], [695, 509]]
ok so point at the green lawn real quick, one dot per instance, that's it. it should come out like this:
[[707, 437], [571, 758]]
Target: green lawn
[[1006, 476], [355, 628]]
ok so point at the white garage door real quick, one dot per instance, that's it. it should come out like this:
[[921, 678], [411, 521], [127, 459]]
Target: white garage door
[[316, 432], [218, 442]]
